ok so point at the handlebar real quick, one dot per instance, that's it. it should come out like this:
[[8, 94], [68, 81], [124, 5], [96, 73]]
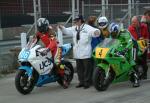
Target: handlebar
[[121, 53], [118, 54], [42, 52], [38, 53]]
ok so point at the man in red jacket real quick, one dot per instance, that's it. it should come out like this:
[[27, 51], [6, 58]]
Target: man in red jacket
[[140, 31]]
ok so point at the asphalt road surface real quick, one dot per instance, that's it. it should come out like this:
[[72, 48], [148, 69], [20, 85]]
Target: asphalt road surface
[[53, 93]]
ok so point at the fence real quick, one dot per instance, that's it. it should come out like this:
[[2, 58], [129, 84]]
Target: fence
[[16, 16], [19, 12], [116, 12]]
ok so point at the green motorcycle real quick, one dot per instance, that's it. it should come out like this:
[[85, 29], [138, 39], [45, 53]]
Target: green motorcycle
[[112, 66]]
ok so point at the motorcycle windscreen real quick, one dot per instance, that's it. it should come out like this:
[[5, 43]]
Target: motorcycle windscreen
[[103, 48]]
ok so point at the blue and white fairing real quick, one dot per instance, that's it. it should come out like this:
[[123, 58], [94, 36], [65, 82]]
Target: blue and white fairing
[[66, 48], [42, 64]]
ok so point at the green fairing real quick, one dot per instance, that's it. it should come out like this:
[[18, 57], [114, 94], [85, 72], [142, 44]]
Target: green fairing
[[126, 42], [122, 66]]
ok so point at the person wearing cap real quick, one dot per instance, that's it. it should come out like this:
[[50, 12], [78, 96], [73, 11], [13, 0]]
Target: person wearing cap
[[140, 31], [82, 35]]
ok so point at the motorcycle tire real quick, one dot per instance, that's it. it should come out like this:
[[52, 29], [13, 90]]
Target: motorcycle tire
[[99, 81], [69, 75], [140, 71], [21, 82]]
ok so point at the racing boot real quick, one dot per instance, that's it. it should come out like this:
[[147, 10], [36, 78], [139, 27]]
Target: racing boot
[[61, 72], [136, 82]]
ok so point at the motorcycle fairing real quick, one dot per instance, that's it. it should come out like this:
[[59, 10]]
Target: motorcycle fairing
[[28, 69]]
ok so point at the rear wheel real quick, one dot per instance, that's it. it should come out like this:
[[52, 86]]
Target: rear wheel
[[99, 81], [22, 82], [68, 73]]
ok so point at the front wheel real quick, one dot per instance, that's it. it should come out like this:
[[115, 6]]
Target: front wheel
[[68, 73], [23, 83], [99, 81]]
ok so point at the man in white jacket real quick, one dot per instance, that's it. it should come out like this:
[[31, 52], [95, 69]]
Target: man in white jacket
[[82, 35]]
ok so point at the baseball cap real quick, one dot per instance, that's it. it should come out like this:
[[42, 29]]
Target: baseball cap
[[79, 17]]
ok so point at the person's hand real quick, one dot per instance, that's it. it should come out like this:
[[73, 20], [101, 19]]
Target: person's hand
[[141, 38], [44, 52], [123, 52], [97, 33], [50, 27], [60, 26]]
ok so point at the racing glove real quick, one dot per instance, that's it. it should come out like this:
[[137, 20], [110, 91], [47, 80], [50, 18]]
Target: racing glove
[[43, 53]]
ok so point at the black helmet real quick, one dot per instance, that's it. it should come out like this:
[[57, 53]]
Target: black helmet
[[42, 25]]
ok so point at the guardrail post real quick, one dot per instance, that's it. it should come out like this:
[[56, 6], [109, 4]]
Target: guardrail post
[[103, 7], [129, 11], [23, 40], [60, 37]]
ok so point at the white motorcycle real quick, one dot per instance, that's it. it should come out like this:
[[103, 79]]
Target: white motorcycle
[[37, 69]]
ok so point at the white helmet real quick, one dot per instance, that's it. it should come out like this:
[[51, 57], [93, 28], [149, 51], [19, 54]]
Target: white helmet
[[103, 22]]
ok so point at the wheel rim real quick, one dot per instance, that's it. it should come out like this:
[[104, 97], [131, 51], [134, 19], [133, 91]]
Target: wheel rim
[[67, 73], [24, 82], [101, 78]]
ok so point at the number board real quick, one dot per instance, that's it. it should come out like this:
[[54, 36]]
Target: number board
[[101, 52], [142, 44], [25, 54]]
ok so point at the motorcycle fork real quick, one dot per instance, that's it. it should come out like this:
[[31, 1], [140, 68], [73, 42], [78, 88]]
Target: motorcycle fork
[[107, 72], [30, 78]]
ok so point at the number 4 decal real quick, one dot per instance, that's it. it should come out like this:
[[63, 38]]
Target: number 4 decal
[[100, 52]]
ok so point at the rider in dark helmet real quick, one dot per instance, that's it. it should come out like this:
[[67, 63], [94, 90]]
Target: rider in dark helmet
[[47, 36], [42, 25]]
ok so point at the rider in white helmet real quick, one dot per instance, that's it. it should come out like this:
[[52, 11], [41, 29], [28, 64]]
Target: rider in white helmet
[[103, 22], [103, 26]]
